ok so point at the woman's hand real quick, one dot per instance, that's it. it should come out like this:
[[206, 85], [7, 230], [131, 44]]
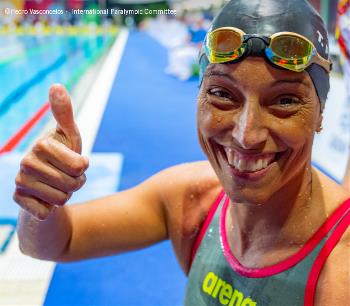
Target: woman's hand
[[54, 168]]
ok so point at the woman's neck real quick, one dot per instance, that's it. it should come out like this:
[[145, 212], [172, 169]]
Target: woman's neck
[[276, 223]]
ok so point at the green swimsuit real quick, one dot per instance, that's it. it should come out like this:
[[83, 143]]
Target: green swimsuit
[[217, 278]]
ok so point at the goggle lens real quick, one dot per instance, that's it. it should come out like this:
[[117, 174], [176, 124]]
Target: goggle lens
[[224, 45], [291, 52]]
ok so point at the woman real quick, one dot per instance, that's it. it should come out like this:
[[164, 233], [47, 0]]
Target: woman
[[257, 225]]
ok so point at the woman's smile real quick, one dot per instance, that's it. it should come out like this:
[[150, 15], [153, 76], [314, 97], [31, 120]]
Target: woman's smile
[[265, 132], [247, 165]]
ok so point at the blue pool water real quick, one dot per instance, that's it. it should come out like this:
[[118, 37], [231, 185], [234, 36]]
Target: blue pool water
[[27, 76]]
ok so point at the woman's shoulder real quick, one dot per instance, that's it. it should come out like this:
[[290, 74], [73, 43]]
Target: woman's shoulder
[[188, 191], [332, 193], [336, 270], [194, 178], [192, 170]]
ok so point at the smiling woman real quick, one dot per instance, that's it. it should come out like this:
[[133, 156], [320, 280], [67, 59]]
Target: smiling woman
[[260, 128], [256, 224]]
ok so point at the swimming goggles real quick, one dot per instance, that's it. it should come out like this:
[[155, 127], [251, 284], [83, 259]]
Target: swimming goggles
[[285, 49]]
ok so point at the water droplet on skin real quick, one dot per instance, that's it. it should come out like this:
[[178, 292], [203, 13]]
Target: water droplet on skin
[[218, 119], [191, 196]]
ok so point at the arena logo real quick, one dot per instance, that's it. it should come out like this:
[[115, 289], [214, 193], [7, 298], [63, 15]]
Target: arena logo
[[7, 231], [227, 295]]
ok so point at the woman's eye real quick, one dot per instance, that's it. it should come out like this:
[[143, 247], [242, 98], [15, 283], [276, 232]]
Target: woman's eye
[[220, 94], [222, 99], [285, 106], [287, 101]]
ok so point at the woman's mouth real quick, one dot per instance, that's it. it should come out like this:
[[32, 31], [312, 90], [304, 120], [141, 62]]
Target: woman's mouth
[[250, 166]]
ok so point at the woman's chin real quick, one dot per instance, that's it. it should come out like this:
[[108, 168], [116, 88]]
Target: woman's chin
[[248, 196]]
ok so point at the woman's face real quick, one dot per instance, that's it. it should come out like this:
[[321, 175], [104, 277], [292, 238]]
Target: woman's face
[[256, 125]]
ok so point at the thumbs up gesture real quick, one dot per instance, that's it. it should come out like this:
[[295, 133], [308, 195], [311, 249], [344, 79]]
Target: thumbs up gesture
[[54, 168]]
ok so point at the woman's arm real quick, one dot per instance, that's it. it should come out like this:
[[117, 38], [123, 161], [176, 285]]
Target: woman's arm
[[48, 176], [121, 222]]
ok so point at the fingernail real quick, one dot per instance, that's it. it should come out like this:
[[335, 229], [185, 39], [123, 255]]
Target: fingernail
[[56, 92]]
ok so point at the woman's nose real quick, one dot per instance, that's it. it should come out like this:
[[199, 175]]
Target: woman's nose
[[249, 130]]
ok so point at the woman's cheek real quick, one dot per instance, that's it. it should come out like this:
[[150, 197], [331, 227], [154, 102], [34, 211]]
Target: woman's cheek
[[300, 125], [213, 121], [205, 119]]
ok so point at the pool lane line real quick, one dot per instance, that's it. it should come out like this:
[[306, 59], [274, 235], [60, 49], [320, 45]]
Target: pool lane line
[[24, 87], [17, 137], [94, 57], [84, 30], [14, 140], [42, 48], [28, 54], [42, 74], [13, 223], [20, 91]]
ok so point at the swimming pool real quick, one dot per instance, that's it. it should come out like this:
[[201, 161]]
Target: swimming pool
[[34, 63]]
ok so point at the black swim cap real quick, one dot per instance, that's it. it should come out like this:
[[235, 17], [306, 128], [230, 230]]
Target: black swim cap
[[266, 17]]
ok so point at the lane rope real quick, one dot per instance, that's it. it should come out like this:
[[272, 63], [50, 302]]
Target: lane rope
[[19, 135], [24, 130]]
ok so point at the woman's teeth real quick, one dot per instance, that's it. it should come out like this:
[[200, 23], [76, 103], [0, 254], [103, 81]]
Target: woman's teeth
[[248, 163]]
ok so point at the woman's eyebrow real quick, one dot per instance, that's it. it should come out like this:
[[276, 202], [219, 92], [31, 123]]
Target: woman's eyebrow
[[210, 73], [291, 81], [295, 80]]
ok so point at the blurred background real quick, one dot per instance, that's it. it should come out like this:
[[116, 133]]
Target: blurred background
[[131, 69]]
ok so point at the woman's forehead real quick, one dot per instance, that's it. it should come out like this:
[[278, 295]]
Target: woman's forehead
[[254, 69]]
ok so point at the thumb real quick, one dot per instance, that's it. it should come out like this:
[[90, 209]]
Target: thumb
[[62, 110]]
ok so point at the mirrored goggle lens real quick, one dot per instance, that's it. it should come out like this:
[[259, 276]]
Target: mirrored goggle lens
[[297, 65], [291, 52], [291, 47], [224, 45]]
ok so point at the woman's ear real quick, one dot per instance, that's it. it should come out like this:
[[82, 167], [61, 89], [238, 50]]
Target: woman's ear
[[319, 123]]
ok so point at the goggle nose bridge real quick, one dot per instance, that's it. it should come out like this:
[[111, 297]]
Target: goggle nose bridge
[[255, 44], [248, 37]]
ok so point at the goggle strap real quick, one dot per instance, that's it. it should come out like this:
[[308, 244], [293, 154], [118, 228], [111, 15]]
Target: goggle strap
[[319, 60]]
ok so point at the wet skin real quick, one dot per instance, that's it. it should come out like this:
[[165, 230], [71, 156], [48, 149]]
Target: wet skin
[[255, 110], [250, 111]]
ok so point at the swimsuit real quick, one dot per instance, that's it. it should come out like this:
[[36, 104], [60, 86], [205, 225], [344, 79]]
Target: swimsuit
[[217, 278]]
